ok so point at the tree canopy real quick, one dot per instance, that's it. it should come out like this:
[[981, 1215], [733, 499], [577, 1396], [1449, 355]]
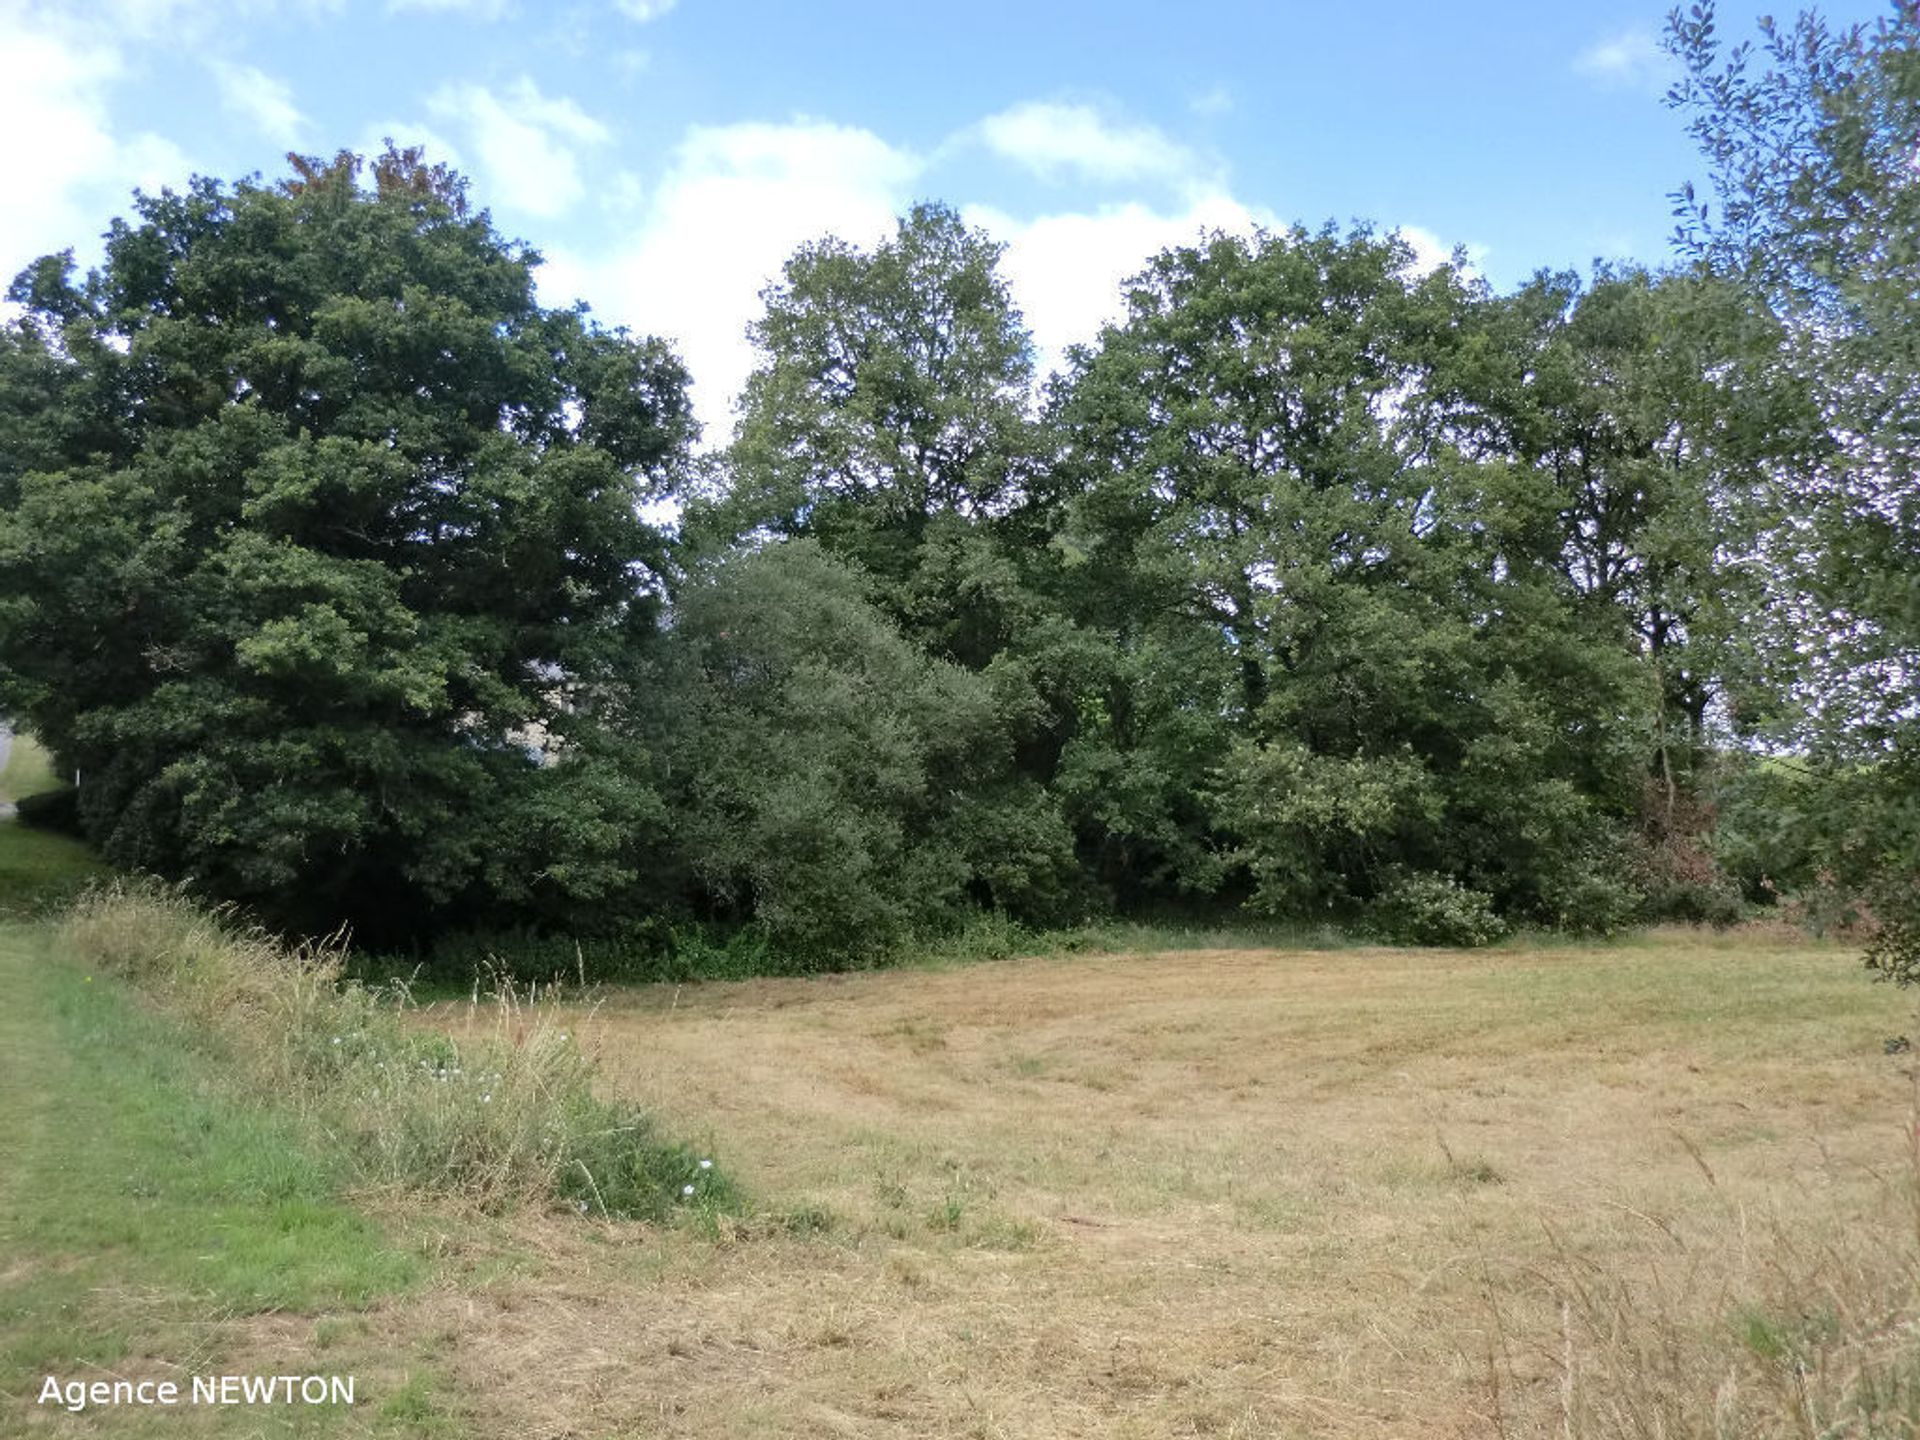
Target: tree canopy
[[317, 532], [1814, 208], [1320, 584]]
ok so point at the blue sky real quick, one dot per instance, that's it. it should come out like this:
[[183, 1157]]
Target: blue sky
[[667, 154]]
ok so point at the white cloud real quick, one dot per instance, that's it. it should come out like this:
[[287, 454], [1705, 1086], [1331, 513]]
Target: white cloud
[[738, 200], [643, 11], [473, 9], [1430, 252], [525, 143], [264, 102], [1066, 271], [1053, 139], [735, 203], [1631, 59], [1215, 101], [67, 171]]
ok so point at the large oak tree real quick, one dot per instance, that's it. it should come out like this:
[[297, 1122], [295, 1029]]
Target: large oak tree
[[316, 534]]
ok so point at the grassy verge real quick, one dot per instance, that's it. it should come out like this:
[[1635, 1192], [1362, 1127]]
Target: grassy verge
[[153, 1225], [505, 1117]]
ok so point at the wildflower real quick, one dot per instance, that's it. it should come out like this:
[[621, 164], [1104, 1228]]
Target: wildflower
[[706, 1164], [336, 1039], [686, 1190], [486, 1099]]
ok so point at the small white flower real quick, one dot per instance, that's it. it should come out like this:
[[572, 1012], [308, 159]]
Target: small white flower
[[706, 1164], [686, 1190], [486, 1099], [336, 1039]]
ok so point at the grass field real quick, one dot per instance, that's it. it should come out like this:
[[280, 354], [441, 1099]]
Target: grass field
[[1658, 1188], [1354, 1193]]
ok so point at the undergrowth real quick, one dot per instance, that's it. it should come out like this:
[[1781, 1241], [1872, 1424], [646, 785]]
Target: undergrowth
[[688, 953], [502, 1119]]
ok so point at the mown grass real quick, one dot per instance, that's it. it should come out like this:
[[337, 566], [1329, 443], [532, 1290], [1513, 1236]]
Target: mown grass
[[153, 1223], [1656, 1187]]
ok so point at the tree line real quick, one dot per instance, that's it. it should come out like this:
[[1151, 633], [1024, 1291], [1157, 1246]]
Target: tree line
[[1317, 585]]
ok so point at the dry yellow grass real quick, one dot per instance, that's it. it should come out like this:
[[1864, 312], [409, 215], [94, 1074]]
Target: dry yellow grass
[[1349, 1193]]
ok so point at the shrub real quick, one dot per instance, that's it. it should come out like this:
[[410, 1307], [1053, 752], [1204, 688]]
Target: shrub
[[1593, 888], [504, 1118], [1715, 901], [1420, 908], [1595, 902], [57, 810]]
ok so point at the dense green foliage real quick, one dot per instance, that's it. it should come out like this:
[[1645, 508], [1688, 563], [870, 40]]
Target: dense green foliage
[[1811, 143], [1319, 586], [313, 526]]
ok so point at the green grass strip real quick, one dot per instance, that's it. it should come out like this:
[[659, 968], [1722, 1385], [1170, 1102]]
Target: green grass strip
[[144, 1205]]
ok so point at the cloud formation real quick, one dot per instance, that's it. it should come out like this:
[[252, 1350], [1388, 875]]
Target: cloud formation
[[262, 101], [472, 9], [1055, 140], [684, 252], [735, 203], [643, 11], [67, 170], [525, 142], [1067, 271], [738, 200], [1632, 59]]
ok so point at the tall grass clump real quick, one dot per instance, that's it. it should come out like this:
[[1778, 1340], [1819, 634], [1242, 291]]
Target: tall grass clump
[[1739, 1325], [505, 1116]]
